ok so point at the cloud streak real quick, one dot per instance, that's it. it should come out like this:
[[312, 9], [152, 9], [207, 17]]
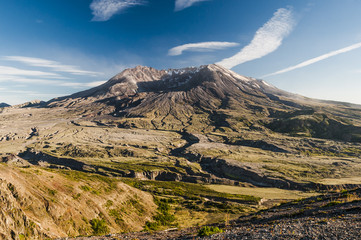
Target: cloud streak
[[182, 4], [266, 40], [55, 66], [28, 80], [12, 71], [200, 47], [103, 10], [316, 59]]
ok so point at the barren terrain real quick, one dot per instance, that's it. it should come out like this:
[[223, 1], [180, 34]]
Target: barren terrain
[[152, 150]]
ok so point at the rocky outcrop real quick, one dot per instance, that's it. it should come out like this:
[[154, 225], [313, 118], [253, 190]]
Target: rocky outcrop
[[14, 160], [14, 222]]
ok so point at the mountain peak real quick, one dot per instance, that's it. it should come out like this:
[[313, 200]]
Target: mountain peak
[[147, 79], [140, 90]]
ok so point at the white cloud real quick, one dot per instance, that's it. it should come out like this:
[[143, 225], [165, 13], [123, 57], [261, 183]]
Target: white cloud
[[27, 80], [79, 85], [18, 91], [266, 40], [317, 59], [14, 97], [103, 10], [95, 84], [55, 66], [182, 4], [12, 71], [200, 47]]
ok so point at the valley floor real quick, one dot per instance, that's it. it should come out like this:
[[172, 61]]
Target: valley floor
[[63, 175]]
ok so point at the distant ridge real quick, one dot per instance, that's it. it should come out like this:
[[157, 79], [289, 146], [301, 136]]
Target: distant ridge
[[2, 105]]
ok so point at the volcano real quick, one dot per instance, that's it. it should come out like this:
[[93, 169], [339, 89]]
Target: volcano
[[211, 97]]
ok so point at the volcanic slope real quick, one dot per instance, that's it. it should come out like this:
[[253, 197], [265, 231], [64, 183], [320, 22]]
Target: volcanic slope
[[177, 99], [230, 120], [169, 132], [211, 97]]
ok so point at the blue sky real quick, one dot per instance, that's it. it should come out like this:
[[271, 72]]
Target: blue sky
[[51, 48]]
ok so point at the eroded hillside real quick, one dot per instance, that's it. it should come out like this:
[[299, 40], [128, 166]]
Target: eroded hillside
[[147, 150]]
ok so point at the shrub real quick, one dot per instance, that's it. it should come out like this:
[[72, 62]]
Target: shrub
[[163, 218], [52, 192], [151, 226], [333, 203], [207, 231], [99, 226], [85, 188]]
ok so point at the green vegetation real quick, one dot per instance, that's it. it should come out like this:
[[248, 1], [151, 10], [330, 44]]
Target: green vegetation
[[207, 231], [116, 214], [187, 204], [318, 125], [107, 184], [22, 237], [85, 188], [52, 192], [332, 203], [187, 190], [99, 226], [162, 218], [76, 196]]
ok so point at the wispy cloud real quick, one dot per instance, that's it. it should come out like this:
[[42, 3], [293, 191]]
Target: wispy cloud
[[29, 80], [200, 47], [12, 71], [103, 10], [266, 40], [80, 85], [14, 97], [182, 4], [95, 84], [316, 59], [55, 66]]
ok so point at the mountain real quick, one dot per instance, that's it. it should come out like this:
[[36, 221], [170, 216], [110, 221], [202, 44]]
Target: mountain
[[144, 89], [2, 105], [198, 143], [212, 97]]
